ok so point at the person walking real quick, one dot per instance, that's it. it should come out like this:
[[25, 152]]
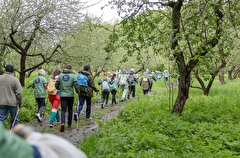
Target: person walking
[[132, 80], [123, 84], [39, 86], [10, 96], [145, 83], [54, 97], [66, 82], [105, 90], [166, 75], [113, 88], [85, 91]]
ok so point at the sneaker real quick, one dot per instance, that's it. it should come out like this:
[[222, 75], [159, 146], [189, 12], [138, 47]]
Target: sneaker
[[89, 118], [58, 121], [69, 127], [39, 118], [75, 117], [62, 128], [51, 125], [102, 106]]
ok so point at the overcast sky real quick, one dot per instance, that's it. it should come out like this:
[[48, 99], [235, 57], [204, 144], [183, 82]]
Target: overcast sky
[[108, 13]]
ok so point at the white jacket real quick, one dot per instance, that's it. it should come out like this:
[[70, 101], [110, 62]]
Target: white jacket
[[52, 146]]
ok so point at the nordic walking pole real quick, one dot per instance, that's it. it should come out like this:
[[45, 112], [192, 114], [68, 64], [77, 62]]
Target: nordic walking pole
[[15, 118]]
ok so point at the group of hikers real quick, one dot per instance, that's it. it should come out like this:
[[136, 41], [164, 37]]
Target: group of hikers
[[61, 90], [22, 141]]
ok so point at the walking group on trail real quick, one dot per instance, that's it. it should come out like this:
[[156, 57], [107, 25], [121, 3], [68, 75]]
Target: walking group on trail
[[22, 141], [61, 89]]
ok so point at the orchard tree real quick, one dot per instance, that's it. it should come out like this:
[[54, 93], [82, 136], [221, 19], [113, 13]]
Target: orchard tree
[[31, 30], [183, 31]]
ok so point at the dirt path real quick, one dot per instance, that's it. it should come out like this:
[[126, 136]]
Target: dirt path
[[85, 127]]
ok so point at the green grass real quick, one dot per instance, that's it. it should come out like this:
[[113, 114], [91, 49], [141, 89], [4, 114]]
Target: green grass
[[208, 127]]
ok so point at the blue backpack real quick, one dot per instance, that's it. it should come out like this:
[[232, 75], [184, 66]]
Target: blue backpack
[[82, 80]]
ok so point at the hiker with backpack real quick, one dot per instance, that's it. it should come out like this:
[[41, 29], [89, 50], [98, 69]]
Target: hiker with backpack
[[54, 97], [105, 89], [152, 78], [24, 142], [123, 84], [11, 96], [145, 83], [66, 82], [39, 86], [166, 75], [113, 88], [132, 80], [86, 86]]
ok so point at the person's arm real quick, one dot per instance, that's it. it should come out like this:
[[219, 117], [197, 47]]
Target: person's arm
[[91, 83], [57, 84]]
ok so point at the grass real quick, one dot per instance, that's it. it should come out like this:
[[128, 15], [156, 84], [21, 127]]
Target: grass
[[208, 127]]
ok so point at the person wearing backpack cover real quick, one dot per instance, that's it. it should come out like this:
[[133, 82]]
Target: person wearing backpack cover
[[66, 82], [145, 83], [132, 80], [105, 89], [123, 83], [39, 86], [113, 88], [54, 97], [85, 93]]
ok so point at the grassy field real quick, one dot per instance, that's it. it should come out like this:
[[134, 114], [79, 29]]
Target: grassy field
[[208, 127]]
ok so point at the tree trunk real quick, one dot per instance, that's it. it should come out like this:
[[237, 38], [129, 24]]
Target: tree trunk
[[22, 69], [183, 92]]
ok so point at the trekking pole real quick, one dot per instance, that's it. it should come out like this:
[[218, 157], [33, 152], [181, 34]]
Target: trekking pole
[[15, 118], [77, 123]]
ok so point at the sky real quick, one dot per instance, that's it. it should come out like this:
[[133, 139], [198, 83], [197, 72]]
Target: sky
[[108, 14]]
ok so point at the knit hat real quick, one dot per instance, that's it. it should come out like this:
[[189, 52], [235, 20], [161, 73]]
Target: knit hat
[[86, 67], [9, 68], [41, 72]]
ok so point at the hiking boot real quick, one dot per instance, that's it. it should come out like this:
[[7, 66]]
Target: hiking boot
[[102, 106], [51, 125], [69, 127], [39, 118], [75, 117], [62, 128]]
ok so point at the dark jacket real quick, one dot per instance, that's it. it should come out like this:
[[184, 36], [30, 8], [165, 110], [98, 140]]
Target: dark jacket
[[91, 85]]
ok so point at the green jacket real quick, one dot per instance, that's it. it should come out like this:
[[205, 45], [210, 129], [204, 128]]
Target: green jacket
[[13, 145], [39, 85], [66, 83]]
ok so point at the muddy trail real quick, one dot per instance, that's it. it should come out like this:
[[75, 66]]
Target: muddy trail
[[84, 127]]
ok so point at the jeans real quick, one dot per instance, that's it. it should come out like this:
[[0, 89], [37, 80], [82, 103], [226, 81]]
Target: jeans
[[81, 103], [13, 110]]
